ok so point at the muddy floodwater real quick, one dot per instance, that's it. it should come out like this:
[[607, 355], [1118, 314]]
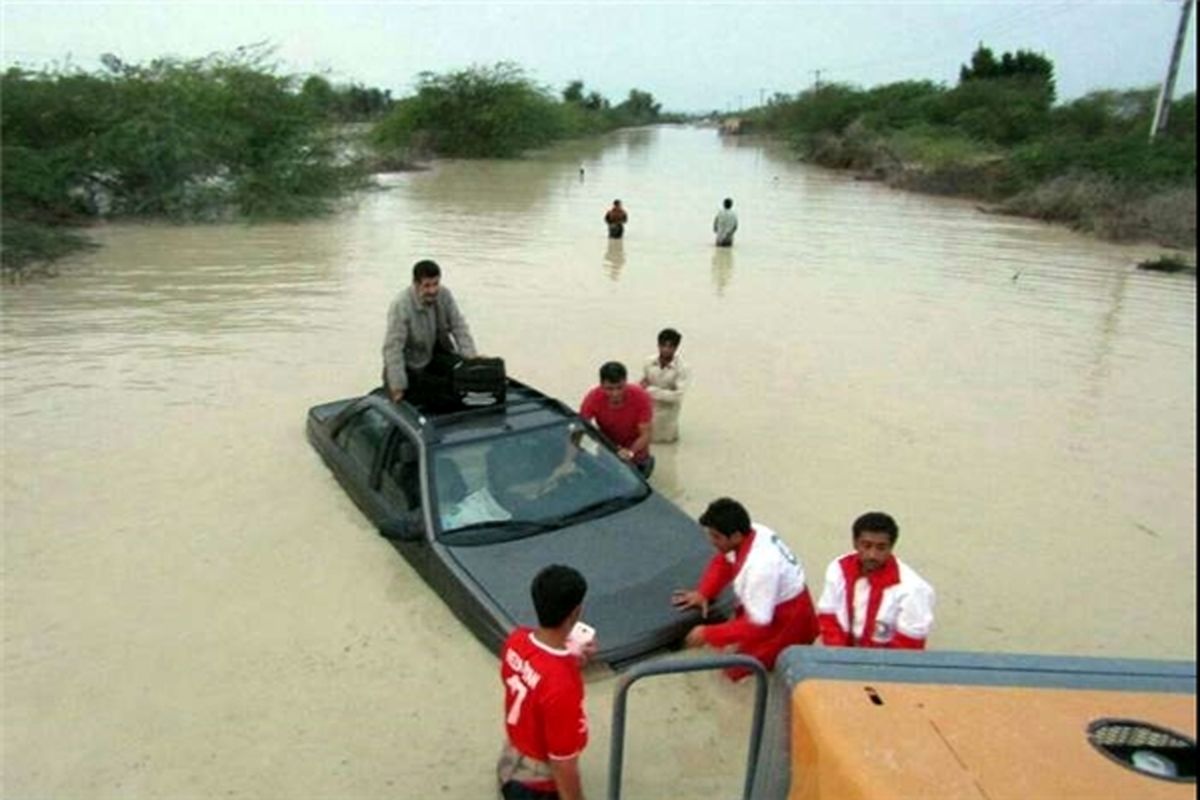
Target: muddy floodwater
[[194, 609]]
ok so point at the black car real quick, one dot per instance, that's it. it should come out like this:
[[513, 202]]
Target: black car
[[481, 498]]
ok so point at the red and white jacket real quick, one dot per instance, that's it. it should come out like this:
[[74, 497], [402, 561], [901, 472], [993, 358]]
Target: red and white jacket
[[774, 608], [890, 607]]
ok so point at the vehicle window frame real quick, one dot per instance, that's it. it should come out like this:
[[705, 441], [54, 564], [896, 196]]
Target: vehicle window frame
[[390, 452], [385, 441]]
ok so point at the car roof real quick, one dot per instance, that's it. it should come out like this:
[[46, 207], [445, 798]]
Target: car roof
[[523, 408]]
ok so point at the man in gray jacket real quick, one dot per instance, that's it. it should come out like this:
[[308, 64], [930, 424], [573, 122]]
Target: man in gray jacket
[[426, 336]]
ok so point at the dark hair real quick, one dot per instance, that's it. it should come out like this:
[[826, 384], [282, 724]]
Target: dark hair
[[670, 336], [616, 202], [613, 372], [726, 516], [729, 202], [876, 522], [426, 268], [557, 591]]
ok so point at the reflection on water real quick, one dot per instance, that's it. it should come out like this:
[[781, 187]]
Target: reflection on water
[[173, 546], [722, 268], [614, 258], [637, 142]]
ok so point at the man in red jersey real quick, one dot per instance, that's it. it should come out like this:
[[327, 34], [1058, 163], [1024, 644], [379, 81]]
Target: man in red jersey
[[544, 717], [774, 609], [871, 598], [624, 413]]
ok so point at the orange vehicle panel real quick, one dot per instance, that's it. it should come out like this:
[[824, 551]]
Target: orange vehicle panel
[[909, 740]]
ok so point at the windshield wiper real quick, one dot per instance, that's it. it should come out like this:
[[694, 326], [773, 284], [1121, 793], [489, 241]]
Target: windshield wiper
[[508, 525], [600, 508]]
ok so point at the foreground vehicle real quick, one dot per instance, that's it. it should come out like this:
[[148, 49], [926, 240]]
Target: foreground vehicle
[[478, 500], [845, 723]]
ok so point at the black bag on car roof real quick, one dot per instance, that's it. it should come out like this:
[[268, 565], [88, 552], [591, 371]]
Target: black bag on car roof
[[479, 376]]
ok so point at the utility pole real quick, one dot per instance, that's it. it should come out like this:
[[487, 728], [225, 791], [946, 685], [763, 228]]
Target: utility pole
[[761, 93], [817, 81], [1163, 109]]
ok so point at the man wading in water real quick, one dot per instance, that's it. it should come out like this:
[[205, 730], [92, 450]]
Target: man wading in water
[[616, 219], [725, 224]]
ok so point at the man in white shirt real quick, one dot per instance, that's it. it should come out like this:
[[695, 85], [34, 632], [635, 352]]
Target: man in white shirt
[[725, 224], [666, 378], [871, 598]]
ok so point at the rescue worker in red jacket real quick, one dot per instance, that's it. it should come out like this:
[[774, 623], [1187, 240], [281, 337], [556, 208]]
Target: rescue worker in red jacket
[[871, 598], [774, 607]]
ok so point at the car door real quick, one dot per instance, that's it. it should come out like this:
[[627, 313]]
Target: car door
[[399, 479], [405, 480], [361, 441]]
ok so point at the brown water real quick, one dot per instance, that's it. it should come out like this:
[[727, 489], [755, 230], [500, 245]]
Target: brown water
[[193, 608]]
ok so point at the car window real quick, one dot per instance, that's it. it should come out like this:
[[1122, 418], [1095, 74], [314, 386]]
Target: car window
[[362, 437], [532, 480], [400, 478]]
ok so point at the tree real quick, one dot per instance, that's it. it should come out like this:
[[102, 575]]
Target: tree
[[639, 106], [983, 66], [595, 102], [319, 95], [1006, 101], [475, 113], [573, 93], [1024, 66], [357, 102]]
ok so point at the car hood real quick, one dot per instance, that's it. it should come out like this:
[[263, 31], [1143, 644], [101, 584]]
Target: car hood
[[632, 561]]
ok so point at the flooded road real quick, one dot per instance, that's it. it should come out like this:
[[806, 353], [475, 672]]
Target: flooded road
[[193, 607]]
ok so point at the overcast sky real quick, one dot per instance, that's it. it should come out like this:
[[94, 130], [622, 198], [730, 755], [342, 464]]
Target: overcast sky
[[691, 56]]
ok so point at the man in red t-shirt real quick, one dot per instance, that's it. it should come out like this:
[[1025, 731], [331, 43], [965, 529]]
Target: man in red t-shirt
[[544, 718], [624, 413]]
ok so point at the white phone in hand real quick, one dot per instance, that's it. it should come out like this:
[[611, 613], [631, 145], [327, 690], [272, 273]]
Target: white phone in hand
[[579, 636]]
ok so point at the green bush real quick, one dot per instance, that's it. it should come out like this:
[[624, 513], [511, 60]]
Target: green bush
[[938, 146], [478, 112], [498, 112], [1003, 110], [178, 139], [900, 105], [998, 136]]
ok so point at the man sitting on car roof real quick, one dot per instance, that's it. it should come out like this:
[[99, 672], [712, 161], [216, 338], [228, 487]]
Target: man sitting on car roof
[[426, 337]]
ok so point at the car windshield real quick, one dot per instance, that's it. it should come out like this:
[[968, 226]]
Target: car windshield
[[527, 483]]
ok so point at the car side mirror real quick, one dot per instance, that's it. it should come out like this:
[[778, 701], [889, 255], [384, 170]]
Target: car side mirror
[[407, 528]]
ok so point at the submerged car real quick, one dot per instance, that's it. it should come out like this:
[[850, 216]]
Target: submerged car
[[479, 499]]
